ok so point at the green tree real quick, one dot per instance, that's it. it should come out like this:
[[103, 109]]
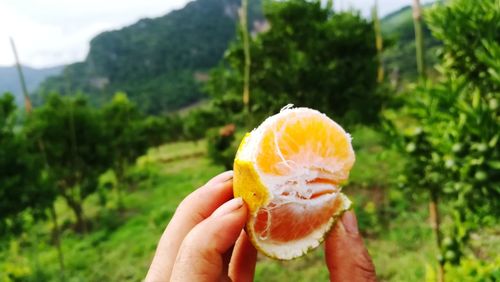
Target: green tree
[[23, 183], [74, 147], [124, 127], [198, 121], [311, 57], [451, 127]]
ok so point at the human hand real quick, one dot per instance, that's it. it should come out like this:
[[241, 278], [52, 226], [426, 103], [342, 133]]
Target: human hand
[[205, 241], [346, 256]]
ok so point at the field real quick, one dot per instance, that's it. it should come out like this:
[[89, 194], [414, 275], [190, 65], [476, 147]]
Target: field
[[121, 244]]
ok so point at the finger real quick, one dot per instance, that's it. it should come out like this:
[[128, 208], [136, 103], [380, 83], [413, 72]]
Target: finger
[[200, 257], [347, 258], [223, 177], [244, 258], [194, 208]]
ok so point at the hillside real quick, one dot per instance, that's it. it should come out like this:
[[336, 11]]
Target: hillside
[[9, 80], [161, 62]]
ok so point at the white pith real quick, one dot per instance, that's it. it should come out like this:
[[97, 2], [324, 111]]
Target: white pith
[[294, 188]]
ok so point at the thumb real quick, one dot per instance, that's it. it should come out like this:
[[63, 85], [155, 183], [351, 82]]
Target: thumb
[[200, 257], [346, 256]]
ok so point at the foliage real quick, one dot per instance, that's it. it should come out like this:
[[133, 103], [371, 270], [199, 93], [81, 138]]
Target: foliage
[[311, 57], [222, 145], [472, 47], [159, 62], [173, 126], [123, 125], [399, 35], [123, 251], [450, 128], [23, 183], [473, 270], [127, 135], [198, 121], [74, 147]]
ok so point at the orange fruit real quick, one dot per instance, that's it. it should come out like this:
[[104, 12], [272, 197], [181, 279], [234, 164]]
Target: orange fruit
[[289, 171]]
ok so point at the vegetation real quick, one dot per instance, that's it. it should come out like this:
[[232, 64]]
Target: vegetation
[[158, 62], [288, 68], [450, 127], [89, 182], [399, 58]]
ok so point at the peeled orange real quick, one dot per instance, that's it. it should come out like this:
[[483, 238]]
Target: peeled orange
[[289, 171]]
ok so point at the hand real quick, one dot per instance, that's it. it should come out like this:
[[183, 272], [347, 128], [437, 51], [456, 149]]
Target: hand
[[346, 256], [205, 241]]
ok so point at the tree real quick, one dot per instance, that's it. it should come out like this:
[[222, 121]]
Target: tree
[[450, 127], [123, 124], [74, 147], [311, 57], [23, 182]]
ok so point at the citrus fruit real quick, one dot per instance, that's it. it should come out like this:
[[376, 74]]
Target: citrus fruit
[[289, 171]]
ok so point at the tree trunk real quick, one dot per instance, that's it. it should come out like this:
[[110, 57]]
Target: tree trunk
[[120, 172], [77, 209], [57, 240], [435, 225], [419, 38]]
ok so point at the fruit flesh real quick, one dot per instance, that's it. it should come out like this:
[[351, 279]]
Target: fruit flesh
[[289, 172], [290, 224]]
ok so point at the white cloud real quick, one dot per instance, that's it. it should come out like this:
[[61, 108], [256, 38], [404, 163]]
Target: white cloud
[[54, 32]]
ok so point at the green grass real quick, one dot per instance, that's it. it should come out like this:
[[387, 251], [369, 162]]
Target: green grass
[[121, 244]]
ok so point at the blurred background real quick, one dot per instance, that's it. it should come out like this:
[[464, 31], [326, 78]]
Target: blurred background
[[112, 112]]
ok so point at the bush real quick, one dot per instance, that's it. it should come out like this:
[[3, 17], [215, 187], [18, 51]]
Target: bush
[[473, 270], [221, 145]]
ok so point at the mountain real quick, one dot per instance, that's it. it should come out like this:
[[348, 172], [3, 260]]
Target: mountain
[[161, 63], [399, 57], [9, 79]]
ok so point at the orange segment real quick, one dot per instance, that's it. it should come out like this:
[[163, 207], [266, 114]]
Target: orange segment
[[305, 140], [292, 221]]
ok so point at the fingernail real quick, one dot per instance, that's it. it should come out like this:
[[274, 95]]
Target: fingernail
[[230, 174], [228, 207], [350, 222]]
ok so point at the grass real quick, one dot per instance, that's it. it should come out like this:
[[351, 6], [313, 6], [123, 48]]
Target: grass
[[121, 244]]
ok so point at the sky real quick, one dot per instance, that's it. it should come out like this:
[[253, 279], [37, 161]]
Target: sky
[[56, 32]]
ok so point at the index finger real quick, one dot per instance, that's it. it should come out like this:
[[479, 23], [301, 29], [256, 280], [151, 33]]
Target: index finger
[[192, 210]]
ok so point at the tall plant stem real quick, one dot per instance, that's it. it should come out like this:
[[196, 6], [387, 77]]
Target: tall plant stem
[[27, 100], [246, 48], [419, 38], [378, 42]]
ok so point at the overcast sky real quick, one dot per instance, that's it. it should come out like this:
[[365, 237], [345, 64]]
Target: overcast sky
[[54, 32]]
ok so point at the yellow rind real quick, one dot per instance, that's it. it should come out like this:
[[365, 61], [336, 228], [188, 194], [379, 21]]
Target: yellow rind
[[246, 183]]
